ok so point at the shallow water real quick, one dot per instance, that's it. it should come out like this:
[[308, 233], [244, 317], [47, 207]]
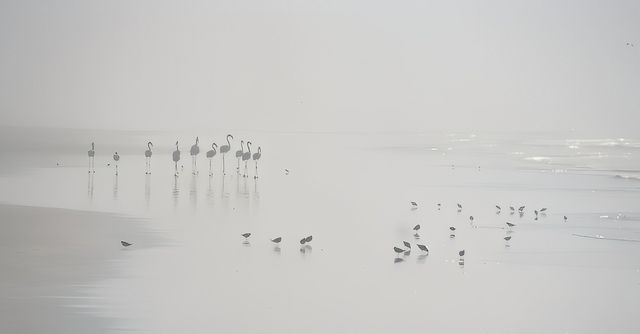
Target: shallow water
[[352, 193]]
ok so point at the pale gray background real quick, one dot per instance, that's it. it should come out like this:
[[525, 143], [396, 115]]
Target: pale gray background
[[330, 65]]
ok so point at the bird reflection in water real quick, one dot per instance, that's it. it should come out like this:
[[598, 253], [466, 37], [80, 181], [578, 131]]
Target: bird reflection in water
[[90, 187], [193, 191], [115, 187], [147, 189], [176, 191], [398, 260]]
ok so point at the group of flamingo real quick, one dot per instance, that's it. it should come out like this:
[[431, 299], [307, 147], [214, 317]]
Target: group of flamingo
[[195, 150]]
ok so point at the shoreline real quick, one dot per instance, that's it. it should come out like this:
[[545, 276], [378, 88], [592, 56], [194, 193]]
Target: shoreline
[[51, 257]]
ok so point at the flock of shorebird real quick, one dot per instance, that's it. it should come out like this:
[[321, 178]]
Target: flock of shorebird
[[241, 155], [406, 250]]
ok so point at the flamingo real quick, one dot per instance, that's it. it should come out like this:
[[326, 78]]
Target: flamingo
[[147, 155], [195, 150], [256, 157], [223, 150], [239, 154], [176, 157], [92, 153], [116, 158], [210, 154], [245, 157]]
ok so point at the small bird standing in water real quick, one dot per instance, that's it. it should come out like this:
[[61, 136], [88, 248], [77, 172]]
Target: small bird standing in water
[[246, 235], [423, 248], [276, 240], [406, 244], [417, 227], [125, 244], [565, 219], [461, 253], [398, 250]]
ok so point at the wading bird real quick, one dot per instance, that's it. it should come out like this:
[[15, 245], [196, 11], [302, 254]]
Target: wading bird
[[423, 248], [210, 154], [417, 227], [195, 150], [276, 240], [116, 158], [176, 157], [147, 155], [256, 157], [239, 154], [245, 157], [246, 235], [223, 150], [125, 244]]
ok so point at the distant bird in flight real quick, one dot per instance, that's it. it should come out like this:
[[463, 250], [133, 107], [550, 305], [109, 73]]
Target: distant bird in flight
[[125, 244]]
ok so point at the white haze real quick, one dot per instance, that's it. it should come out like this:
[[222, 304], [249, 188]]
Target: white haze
[[343, 65]]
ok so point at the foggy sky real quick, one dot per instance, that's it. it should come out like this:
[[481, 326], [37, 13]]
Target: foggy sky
[[321, 65]]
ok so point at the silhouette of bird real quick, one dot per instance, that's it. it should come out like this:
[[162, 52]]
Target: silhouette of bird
[[246, 235], [398, 250], [423, 248], [414, 205], [565, 218], [417, 227], [239, 154], [303, 241], [276, 240], [116, 158], [471, 219], [176, 157], [498, 207], [210, 154], [459, 207], [521, 208], [507, 238], [92, 153], [406, 244], [125, 244], [256, 157], [308, 239], [510, 225], [286, 171], [543, 209], [461, 253], [452, 228], [245, 157], [147, 154], [223, 150], [195, 150]]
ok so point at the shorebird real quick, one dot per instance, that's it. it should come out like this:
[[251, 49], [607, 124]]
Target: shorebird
[[543, 209], [303, 241], [423, 248], [125, 244], [471, 219], [92, 153], [521, 209], [276, 240], [565, 218], [398, 250], [498, 207], [116, 158], [308, 239], [510, 225], [246, 235], [453, 229], [417, 227], [507, 238], [406, 244], [459, 207], [414, 205], [461, 253]]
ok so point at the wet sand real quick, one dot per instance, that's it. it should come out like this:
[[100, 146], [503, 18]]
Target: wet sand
[[49, 257]]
